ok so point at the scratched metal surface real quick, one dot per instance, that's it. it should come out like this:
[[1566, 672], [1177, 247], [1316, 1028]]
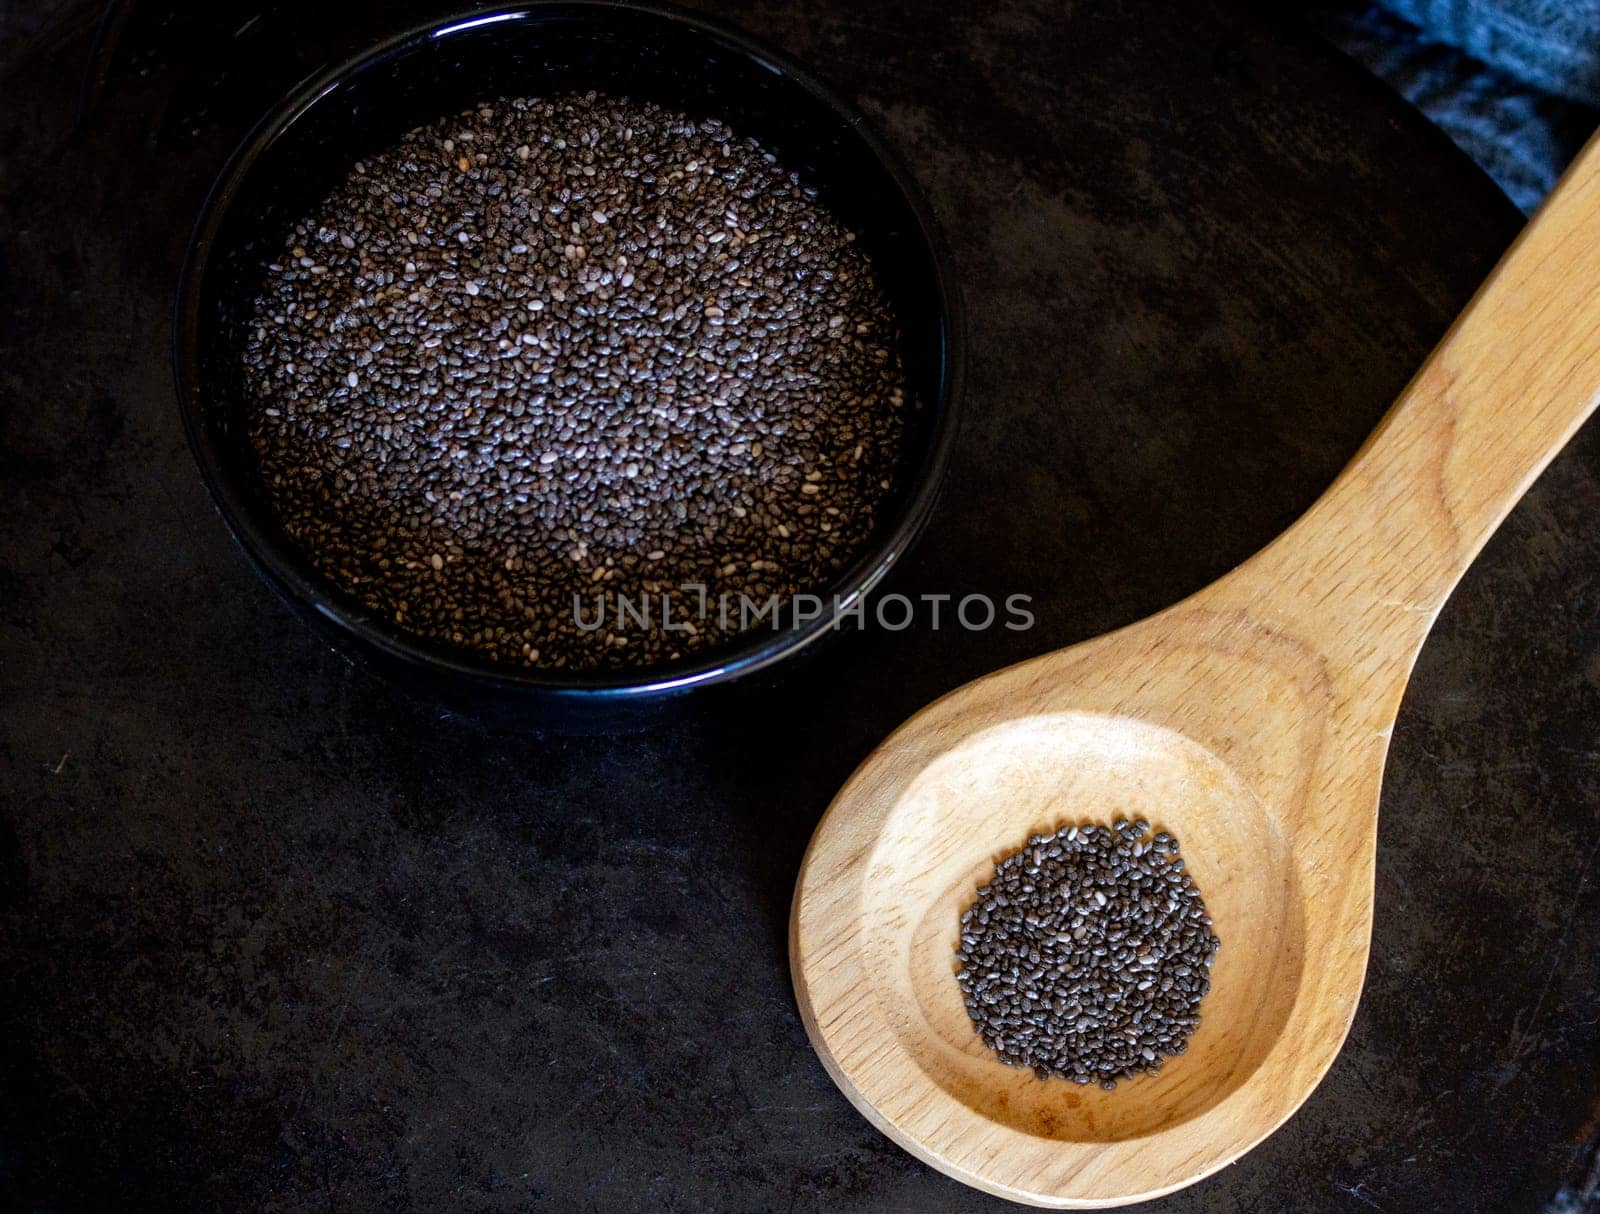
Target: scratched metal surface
[[274, 937]]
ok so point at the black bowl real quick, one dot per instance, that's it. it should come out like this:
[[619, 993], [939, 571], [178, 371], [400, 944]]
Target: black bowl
[[305, 147]]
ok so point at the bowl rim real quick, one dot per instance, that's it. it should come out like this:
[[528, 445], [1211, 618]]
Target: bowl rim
[[743, 655]]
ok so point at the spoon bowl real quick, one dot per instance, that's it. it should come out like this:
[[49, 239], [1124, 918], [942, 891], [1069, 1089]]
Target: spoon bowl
[[1252, 721], [1034, 775], [1086, 735]]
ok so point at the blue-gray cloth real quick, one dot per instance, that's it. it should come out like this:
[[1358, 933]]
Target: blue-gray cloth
[[1553, 45], [1514, 82]]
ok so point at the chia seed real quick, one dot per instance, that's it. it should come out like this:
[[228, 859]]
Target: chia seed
[[1087, 954], [546, 350]]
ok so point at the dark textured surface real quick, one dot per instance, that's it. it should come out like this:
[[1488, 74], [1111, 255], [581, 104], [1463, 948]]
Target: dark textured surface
[[274, 937]]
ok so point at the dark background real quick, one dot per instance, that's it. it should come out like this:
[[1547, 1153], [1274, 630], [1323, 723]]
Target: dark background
[[273, 936]]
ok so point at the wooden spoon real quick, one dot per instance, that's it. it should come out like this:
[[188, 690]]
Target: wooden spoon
[[1252, 720]]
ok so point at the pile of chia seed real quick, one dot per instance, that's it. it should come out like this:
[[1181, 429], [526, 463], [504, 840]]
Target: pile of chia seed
[[574, 348], [1087, 954]]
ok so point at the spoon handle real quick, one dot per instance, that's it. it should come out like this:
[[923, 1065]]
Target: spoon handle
[[1511, 382]]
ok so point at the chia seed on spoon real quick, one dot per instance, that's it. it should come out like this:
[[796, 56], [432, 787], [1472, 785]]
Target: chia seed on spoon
[[1087, 954]]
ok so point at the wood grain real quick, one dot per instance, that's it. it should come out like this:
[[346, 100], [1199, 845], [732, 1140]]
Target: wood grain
[[1252, 720]]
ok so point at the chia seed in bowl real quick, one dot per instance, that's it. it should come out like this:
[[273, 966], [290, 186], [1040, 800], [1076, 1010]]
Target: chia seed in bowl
[[543, 356], [786, 403]]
